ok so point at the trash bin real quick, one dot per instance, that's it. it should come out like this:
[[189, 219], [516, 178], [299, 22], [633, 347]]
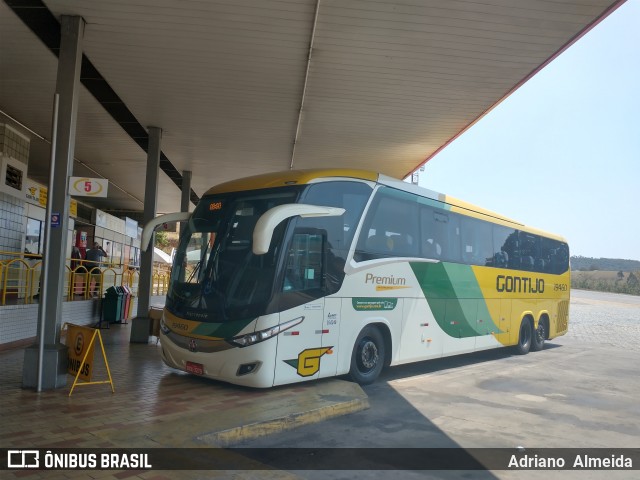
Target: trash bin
[[120, 291], [112, 305], [126, 302]]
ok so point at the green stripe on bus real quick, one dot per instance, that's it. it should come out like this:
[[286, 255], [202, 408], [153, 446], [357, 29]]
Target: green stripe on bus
[[454, 297]]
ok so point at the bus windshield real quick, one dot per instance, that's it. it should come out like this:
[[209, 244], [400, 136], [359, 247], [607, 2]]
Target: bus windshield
[[216, 277]]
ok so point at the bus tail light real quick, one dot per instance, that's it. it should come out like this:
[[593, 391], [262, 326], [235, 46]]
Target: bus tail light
[[257, 337]]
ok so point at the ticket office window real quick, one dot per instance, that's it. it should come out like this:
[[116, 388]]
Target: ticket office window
[[116, 253], [113, 249], [134, 258]]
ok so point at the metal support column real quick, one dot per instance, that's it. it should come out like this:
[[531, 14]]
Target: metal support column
[[186, 191], [141, 324], [184, 205], [54, 374]]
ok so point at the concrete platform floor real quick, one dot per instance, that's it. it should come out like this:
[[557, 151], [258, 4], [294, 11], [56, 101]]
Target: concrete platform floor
[[155, 406]]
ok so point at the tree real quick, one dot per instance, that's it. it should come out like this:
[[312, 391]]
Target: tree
[[162, 239]]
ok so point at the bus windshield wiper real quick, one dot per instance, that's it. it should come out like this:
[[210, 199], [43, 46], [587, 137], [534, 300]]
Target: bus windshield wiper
[[194, 271], [211, 273]]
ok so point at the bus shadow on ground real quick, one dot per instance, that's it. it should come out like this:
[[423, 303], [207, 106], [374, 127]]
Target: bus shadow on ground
[[441, 364], [386, 437]]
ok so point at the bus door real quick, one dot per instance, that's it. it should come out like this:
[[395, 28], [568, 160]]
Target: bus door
[[301, 349], [330, 337]]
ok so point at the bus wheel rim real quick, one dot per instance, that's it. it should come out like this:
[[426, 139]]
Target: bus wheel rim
[[369, 355], [540, 332]]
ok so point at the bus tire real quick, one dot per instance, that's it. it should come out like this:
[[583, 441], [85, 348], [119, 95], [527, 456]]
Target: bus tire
[[525, 337], [367, 358], [539, 335]]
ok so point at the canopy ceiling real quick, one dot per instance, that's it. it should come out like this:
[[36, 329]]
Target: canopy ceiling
[[387, 85]]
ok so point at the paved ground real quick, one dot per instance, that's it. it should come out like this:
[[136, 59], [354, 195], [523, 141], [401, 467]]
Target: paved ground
[[604, 319], [583, 390], [153, 407]]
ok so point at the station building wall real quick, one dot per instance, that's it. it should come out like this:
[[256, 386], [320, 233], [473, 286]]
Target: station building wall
[[19, 323]]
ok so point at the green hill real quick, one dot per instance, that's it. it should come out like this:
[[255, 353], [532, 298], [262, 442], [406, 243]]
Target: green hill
[[606, 275], [604, 264]]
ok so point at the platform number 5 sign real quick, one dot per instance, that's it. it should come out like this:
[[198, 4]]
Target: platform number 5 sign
[[88, 187]]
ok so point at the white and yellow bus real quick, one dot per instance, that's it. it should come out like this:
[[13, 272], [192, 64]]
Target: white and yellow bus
[[300, 275]]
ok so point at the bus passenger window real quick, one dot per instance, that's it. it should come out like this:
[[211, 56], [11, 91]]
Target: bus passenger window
[[431, 235], [447, 227], [477, 242], [503, 246], [431, 249], [379, 242], [391, 227]]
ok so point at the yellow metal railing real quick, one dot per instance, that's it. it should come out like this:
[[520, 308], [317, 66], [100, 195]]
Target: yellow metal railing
[[16, 278], [20, 279]]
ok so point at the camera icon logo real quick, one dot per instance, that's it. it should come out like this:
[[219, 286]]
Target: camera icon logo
[[23, 459]]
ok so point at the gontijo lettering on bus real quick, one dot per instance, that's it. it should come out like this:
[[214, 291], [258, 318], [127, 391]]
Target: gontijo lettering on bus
[[513, 284]]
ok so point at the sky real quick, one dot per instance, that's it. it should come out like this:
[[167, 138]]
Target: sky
[[562, 153]]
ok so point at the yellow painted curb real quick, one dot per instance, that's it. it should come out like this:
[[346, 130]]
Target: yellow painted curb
[[263, 413], [260, 429]]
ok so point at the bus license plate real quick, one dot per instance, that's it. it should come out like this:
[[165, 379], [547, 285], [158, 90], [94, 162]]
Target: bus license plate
[[195, 368]]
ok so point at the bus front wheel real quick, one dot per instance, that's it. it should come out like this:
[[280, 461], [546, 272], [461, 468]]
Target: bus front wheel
[[525, 337], [368, 356]]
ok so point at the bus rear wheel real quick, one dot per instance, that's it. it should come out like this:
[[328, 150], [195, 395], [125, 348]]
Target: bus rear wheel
[[368, 356], [539, 336], [524, 338]]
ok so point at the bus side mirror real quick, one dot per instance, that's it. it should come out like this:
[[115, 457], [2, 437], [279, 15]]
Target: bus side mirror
[[150, 227], [269, 220]]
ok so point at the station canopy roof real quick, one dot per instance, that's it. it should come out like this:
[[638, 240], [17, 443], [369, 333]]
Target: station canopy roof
[[387, 84]]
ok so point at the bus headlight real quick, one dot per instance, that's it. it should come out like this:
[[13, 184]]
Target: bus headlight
[[257, 337]]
